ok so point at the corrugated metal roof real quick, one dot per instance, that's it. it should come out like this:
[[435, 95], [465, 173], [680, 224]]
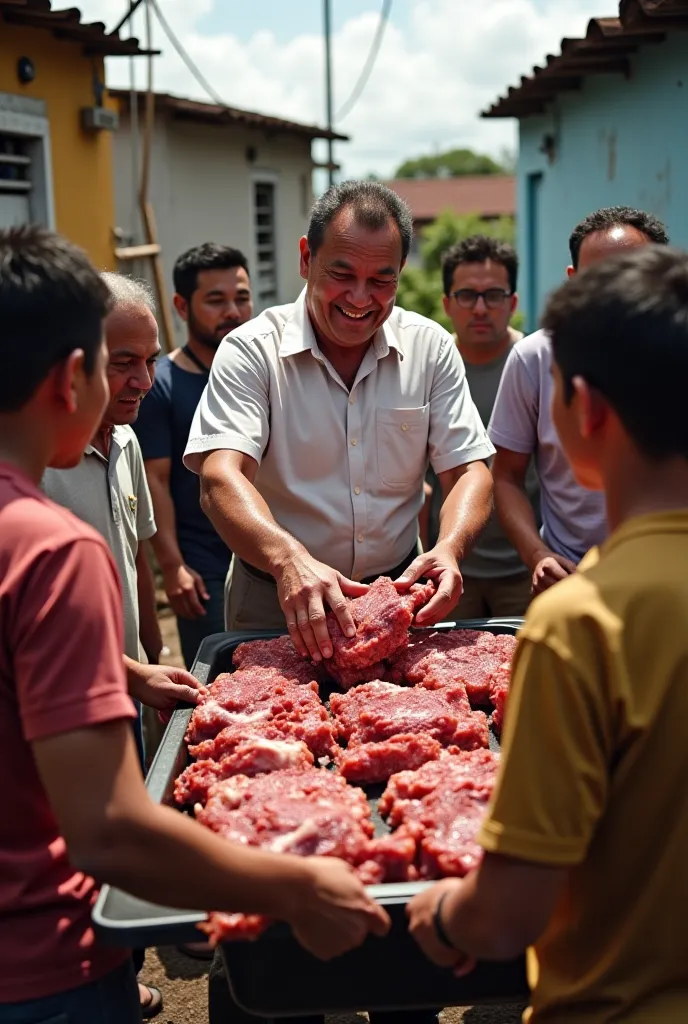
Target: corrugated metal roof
[[606, 49], [67, 25], [212, 113], [489, 195]]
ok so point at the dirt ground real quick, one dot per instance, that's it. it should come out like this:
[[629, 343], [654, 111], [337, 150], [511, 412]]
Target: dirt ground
[[183, 981]]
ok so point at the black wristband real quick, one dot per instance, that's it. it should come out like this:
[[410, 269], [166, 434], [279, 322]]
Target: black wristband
[[439, 927]]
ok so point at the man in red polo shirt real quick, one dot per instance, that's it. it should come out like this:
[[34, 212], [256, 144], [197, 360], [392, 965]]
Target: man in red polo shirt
[[74, 803]]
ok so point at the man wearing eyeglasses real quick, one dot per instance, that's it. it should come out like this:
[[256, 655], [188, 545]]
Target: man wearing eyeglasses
[[479, 279]]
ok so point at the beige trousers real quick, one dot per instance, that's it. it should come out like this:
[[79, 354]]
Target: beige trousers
[[251, 602]]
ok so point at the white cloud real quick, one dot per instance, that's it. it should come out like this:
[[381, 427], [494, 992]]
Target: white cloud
[[429, 83]]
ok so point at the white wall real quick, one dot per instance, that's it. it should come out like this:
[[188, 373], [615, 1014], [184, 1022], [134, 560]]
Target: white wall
[[202, 187]]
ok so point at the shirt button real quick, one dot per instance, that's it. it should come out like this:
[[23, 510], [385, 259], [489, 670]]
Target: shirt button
[[357, 490], [404, 426], [354, 442], [360, 538], [352, 400]]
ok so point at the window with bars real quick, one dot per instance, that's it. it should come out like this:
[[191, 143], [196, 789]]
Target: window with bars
[[264, 230], [15, 180]]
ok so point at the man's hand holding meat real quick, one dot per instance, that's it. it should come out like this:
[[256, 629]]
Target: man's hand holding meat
[[314, 433], [306, 590]]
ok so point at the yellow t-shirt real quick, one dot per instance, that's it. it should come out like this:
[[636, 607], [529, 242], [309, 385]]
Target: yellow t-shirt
[[594, 778]]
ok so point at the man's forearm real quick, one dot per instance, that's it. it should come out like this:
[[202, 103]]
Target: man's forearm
[[147, 856], [242, 518], [518, 521], [466, 508]]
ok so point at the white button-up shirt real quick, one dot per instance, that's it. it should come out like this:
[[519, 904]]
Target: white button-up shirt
[[342, 471]]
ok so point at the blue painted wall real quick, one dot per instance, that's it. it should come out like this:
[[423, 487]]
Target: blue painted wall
[[620, 141]]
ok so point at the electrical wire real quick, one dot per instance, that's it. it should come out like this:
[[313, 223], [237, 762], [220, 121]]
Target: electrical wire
[[191, 65], [365, 74]]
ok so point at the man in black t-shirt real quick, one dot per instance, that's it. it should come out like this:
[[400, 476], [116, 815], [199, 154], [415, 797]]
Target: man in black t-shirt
[[212, 296]]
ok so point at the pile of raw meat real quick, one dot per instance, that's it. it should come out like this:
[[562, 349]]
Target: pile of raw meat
[[263, 737]]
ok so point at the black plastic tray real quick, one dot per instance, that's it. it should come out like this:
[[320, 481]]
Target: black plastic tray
[[274, 976]]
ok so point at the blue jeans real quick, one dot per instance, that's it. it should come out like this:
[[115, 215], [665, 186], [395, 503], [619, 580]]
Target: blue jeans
[[112, 1000], [193, 631]]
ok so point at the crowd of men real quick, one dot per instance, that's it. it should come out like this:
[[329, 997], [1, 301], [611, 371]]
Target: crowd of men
[[277, 472]]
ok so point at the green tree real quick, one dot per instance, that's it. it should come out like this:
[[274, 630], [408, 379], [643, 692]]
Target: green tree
[[452, 164], [420, 288]]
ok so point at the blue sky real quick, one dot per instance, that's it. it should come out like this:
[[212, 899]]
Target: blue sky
[[440, 64]]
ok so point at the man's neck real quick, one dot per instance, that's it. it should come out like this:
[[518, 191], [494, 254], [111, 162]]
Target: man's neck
[[201, 351], [635, 487], [481, 355], [102, 438], [23, 446], [346, 361]]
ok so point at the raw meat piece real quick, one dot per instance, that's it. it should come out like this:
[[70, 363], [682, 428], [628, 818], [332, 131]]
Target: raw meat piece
[[311, 782], [375, 762], [348, 677], [394, 855], [442, 805], [239, 698], [210, 717], [450, 821], [377, 711], [279, 654], [315, 729], [254, 755], [499, 691], [409, 787], [382, 617], [232, 927], [249, 689], [458, 655]]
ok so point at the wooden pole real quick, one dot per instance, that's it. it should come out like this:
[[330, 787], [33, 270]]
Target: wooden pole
[[146, 207]]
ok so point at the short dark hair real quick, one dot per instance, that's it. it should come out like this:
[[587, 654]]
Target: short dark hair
[[614, 217], [208, 256], [373, 206], [479, 249], [622, 325], [52, 301]]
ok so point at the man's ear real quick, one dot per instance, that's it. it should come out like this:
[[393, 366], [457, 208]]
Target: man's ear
[[182, 306], [305, 257], [590, 407], [65, 378], [514, 303]]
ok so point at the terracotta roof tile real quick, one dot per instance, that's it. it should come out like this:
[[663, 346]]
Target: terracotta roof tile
[[213, 113], [489, 195], [607, 45], [67, 25]]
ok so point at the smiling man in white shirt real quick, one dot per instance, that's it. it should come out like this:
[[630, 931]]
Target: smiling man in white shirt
[[317, 425]]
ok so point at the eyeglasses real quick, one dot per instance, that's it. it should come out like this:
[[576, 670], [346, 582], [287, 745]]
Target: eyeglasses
[[492, 297]]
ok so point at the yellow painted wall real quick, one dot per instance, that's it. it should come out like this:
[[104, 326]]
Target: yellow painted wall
[[81, 162]]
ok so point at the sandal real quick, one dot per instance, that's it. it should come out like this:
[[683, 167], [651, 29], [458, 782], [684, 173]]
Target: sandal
[[154, 1005]]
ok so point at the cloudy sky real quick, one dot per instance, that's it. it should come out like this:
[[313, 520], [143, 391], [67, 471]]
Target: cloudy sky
[[441, 62]]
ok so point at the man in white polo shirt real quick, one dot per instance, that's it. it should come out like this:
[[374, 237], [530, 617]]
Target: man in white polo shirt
[[315, 430]]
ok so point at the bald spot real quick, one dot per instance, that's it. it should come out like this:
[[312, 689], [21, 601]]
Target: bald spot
[[600, 245]]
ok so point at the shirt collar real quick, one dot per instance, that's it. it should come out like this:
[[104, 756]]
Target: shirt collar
[[298, 335], [121, 436]]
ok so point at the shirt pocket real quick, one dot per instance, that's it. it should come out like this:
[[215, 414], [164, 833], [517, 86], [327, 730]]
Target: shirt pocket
[[402, 445]]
